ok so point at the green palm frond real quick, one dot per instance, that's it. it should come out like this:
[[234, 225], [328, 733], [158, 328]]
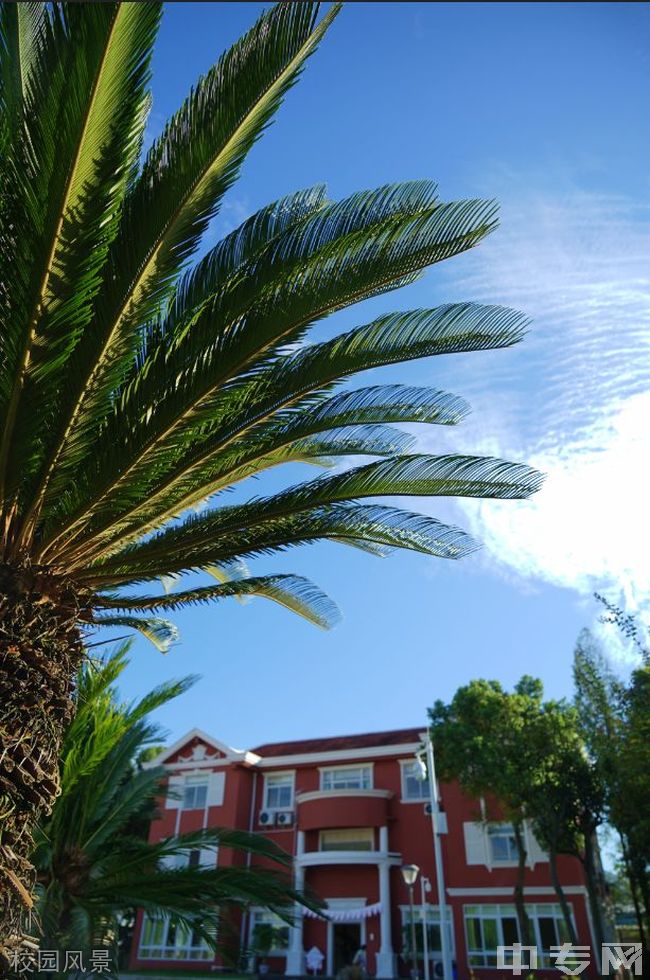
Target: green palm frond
[[291, 591], [213, 534], [290, 379], [364, 266], [136, 388], [286, 437], [82, 116], [161, 632], [183, 179], [92, 854]]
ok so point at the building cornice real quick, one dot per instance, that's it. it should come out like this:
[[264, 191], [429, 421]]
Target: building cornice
[[334, 794]]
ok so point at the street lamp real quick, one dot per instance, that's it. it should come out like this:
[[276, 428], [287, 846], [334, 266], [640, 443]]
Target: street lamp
[[410, 874], [427, 769], [425, 886]]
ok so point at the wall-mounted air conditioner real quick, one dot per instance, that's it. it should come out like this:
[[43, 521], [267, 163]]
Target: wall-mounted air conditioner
[[285, 818], [266, 818]]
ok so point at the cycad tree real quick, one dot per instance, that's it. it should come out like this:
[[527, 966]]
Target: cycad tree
[[93, 860], [135, 386]]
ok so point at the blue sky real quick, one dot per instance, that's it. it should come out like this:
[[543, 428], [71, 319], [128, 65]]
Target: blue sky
[[540, 106]]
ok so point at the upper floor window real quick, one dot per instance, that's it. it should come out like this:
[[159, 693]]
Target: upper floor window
[[278, 793], [195, 792], [347, 777], [502, 843], [356, 839], [413, 787]]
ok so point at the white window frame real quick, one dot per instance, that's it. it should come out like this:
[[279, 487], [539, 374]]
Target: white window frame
[[289, 778], [178, 952], [535, 912], [262, 916], [502, 829], [196, 782], [208, 858], [362, 767], [432, 916], [362, 832], [405, 764]]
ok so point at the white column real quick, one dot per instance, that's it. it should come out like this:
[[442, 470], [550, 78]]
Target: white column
[[295, 954], [385, 957]]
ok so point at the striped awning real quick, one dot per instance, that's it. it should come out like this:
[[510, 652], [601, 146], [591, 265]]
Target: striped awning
[[346, 915]]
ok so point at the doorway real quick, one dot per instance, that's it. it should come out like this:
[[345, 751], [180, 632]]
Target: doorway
[[347, 939]]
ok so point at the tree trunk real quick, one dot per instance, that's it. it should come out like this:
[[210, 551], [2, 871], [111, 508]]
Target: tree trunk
[[40, 652], [559, 891], [634, 889], [589, 862], [520, 905]]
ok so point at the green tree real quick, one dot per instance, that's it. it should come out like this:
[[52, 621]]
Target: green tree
[[565, 801], [134, 387], [94, 862], [615, 724], [483, 741], [529, 755]]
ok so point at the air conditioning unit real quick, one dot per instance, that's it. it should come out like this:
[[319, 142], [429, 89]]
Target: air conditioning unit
[[438, 969], [266, 818], [285, 818], [428, 809]]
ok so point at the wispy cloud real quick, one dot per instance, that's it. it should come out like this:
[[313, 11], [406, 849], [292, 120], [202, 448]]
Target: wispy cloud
[[578, 390]]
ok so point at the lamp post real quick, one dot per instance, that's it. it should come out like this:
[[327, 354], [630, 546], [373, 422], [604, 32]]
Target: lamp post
[[428, 769], [425, 886], [410, 874]]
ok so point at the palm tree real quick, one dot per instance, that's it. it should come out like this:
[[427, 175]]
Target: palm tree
[[135, 387], [93, 861]]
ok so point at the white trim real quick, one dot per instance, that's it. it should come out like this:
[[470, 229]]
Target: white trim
[[360, 766], [270, 775], [313, 858], [337, 754], [332, 794], [530, 890], [369, 834], [231, 755], [273, 761], [403, 797]]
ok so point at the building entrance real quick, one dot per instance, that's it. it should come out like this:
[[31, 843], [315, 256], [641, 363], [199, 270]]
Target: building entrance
[[347, 939]]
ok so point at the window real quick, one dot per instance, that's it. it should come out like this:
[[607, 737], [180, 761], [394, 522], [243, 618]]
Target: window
[[162, 939], [195, 793], [357, 839], [502, 843], [346, 777], [199, 857], [414, 788], [431, 915], [279, 791], [489, 926], [269, 933]]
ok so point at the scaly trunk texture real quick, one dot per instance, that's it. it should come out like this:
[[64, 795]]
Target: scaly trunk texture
[[40, 652]]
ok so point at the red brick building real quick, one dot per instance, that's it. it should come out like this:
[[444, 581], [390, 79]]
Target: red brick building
[[352, 811]]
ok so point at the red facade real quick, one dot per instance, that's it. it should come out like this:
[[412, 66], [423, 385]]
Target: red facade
[[352, 812]]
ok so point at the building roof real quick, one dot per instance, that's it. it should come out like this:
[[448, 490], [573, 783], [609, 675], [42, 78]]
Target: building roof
[[367, 740]]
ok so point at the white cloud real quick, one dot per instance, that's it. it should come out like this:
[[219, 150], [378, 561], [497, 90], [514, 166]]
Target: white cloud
[[577, 391]]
